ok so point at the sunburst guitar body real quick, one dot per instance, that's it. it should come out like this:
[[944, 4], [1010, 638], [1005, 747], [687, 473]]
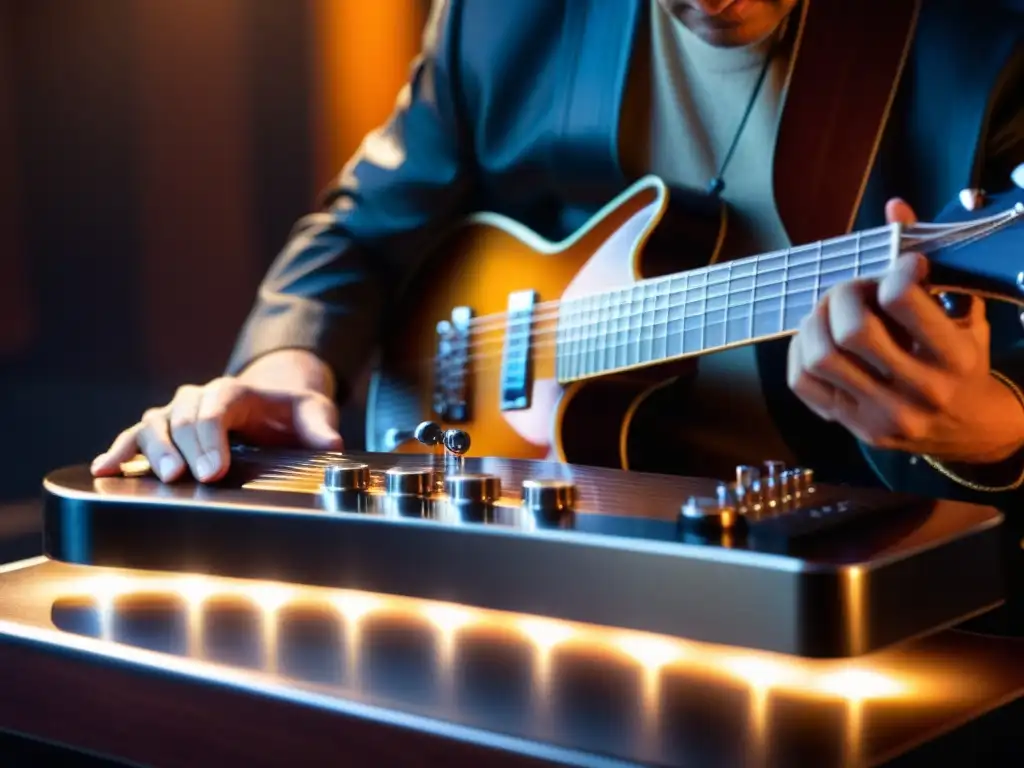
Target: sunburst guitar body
[[545, 350]]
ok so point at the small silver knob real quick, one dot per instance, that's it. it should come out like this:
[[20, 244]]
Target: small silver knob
[[549, 496], [428, 433], [701, 513], [472, 489], [746, 476], [803, 480], [773, 468], [399, 481], [341, 478], [456, 441]]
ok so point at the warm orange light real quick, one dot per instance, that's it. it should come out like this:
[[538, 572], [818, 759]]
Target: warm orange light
[[862, 679]]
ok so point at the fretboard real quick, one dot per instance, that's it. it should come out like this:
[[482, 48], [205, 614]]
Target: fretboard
[[723, 305]]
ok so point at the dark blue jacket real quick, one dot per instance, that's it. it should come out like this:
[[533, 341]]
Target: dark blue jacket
[[514, 107]]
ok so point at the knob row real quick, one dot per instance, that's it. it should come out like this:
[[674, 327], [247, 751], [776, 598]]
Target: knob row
[[751, 492], [543, 496]]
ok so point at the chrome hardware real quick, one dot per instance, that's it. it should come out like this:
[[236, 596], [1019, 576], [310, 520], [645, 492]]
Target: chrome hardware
[[746, 476], [516, 368], [428, 433], [451, 393], [549, 497], [344, 478], [803, 480], [408, 483], [456, 441], [701, 514], [472, 489]]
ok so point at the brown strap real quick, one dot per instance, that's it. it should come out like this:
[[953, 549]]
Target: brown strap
[[848, 61]]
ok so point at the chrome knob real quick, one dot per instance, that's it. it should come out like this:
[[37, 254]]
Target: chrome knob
[[428, 433], [472, 489], [342, 478], [774, 468], [415, 483], [746, 476], [803, 480], [701, 514], [456, 441], [549, 497]]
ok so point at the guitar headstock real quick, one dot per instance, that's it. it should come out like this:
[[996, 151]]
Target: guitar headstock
[[988, 261]]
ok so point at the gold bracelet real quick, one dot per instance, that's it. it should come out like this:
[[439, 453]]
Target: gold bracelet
[[942, 469]]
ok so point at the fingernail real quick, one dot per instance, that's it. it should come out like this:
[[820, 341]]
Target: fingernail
[[167, 467], [207, 465], [97, 462]]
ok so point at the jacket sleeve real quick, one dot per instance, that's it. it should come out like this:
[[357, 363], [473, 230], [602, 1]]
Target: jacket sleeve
[[1003, 483], [408, 181]]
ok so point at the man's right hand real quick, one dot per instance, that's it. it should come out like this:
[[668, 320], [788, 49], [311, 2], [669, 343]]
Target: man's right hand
[[283, 398]]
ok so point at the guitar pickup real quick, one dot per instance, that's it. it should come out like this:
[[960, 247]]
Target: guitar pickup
[[517, 352]]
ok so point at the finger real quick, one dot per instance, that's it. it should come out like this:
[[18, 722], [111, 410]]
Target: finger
[[121, 450], [184, 411], [898, 210], [223, 405], [858, 331], [316, 423], [903, 299], [825, 361], [154, 440], [818, 396]]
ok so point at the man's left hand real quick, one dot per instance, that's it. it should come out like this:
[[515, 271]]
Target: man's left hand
[[881, 357]]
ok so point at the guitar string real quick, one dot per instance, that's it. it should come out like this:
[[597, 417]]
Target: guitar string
[[929, 234], [575, 320], [575, 345], [813, 251], [545, 343], [548, 350]]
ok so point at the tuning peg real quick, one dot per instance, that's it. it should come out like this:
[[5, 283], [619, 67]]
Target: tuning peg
[[1017, 174], [972, 199], [428, 433]]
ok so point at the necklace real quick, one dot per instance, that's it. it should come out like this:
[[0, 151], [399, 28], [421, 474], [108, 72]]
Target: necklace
[[717, 184]]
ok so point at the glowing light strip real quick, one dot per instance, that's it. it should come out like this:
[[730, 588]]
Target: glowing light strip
[[859, 679]]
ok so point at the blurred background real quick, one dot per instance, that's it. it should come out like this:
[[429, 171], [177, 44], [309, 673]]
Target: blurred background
[[154, 155]]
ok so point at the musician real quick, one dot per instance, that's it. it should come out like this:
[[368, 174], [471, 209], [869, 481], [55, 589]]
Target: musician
[[544, 110]]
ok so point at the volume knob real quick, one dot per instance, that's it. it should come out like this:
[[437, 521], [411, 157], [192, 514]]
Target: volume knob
[[549, 497], [342, 478], [472, 488], [408, 483], [702, 514]]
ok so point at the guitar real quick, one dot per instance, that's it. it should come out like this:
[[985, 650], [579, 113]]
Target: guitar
[[543, 350]]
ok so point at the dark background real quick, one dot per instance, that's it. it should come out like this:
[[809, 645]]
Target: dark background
[[153, 156]]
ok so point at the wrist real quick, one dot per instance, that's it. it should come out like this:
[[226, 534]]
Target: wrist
[[1005, 405], [290, 369]]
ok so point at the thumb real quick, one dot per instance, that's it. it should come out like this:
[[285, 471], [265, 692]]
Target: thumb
[[316, 423]]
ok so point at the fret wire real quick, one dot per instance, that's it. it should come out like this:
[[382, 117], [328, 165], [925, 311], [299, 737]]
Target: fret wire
[[577, 338], [787, 255], [592, 334]]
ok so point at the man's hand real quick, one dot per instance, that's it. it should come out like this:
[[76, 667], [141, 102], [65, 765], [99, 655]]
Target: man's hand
[[883, 359], [284, 397]]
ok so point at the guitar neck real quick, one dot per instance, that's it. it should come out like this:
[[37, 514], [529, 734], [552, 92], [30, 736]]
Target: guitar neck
[[691, 313]]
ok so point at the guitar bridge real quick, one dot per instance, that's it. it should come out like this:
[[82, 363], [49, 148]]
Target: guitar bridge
[[452, 378]]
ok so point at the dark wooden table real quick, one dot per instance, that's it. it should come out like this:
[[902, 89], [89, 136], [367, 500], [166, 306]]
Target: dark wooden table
[[180, 671]]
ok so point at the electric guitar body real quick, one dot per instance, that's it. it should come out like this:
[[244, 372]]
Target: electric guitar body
[[544, 350], [490, 266]]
